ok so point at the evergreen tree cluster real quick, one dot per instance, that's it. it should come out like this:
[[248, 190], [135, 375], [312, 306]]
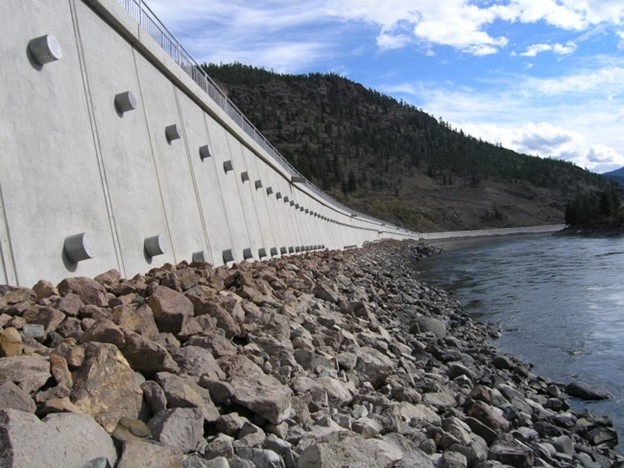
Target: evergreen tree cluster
[[595, 209]]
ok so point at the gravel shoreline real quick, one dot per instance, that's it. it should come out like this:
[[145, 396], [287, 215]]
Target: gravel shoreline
[[320, 360]]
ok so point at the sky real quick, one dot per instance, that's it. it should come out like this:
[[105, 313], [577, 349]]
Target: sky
[[542, 77]]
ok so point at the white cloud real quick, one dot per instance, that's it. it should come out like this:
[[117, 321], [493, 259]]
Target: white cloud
[[277, 34], [595, 82], [558, 49], [464, 24]]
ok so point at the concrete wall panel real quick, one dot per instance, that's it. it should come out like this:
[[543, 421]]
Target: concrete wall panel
[[240, 159], [172, 164], [125, 143], [229, 188], [206, 179], [49, 167]]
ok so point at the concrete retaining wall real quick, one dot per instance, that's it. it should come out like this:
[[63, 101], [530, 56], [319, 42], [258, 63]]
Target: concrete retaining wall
[[169, 177]]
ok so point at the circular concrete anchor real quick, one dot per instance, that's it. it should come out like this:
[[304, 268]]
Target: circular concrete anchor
[[228, 256], [172, 132], [45, 49], [154, 245], [125, 101], [204, 152], [199, 257], [77, 248]]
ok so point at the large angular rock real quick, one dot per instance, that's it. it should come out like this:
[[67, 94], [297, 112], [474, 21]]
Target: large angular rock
[[373, 366], [137, 319], [326, 291], [197, 361], [147, 356], [48, 317], [411, 413], [60, 440], [336, 391], [104, 331], [89, 290], [511, 453], [260, 457], [143, 454], [30, 373], [429, 324], [11, 396], [225, 309], [105, 386], [217, 344], [489, 416], [343, 449], [586, 391], [181, 428], [170, 309], [256, 391], [183, 392], [154, 396]]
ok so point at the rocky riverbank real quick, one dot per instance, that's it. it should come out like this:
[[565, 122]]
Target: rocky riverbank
[[327, 359]]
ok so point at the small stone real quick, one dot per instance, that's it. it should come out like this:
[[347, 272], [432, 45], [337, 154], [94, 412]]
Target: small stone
[[44, 289], [10, 342], [60, 370], [34, 330], [154, 396]]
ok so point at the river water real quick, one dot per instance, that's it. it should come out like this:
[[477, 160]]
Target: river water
[[559, 303]]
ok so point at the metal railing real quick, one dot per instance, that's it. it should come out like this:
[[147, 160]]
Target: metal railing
[[148, 21]]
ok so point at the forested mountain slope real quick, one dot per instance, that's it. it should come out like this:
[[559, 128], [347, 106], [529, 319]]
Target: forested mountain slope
[[395, 161]]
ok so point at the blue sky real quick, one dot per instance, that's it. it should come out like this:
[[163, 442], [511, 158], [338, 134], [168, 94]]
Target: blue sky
[[543, 77]]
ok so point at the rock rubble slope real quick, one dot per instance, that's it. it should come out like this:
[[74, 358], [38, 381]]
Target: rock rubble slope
[[328, 359]]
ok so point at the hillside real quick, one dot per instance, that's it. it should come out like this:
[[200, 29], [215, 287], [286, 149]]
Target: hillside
[[393, 160], [616, 176]]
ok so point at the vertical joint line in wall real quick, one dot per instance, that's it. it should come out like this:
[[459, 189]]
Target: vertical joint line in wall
[[96, 138], [153, 152], [190, 163], [6, 249]]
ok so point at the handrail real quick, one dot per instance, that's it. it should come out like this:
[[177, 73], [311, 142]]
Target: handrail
[[148, 20]]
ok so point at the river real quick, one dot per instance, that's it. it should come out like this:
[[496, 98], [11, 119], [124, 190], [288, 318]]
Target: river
[[559, 303]]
